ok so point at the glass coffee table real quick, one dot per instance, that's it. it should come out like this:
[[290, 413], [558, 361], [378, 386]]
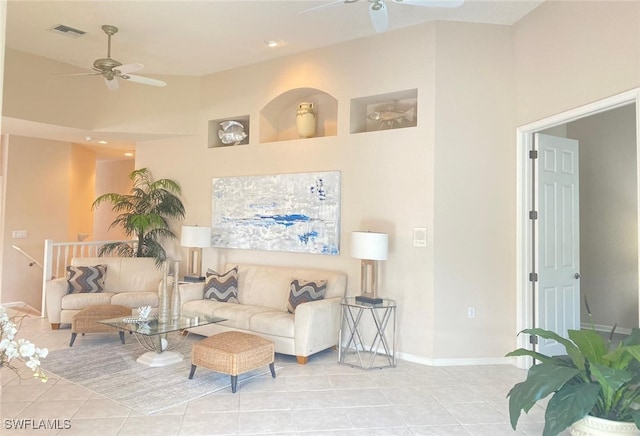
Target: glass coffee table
[[159, 338]]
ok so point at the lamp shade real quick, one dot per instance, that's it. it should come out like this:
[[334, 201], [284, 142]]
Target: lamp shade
[[195, 237], [369, 245]]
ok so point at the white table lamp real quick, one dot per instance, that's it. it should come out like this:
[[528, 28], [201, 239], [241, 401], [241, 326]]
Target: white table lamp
[[195, 238], [370, 247]]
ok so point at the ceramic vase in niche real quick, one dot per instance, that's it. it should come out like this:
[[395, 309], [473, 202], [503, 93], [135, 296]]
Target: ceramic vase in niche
[[306, 120], [175, 295], [163, 304]]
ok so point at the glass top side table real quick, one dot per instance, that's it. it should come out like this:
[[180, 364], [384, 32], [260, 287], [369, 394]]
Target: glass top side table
[[363, 339]]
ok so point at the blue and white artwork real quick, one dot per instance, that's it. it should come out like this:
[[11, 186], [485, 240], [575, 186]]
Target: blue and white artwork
[[282, 212]]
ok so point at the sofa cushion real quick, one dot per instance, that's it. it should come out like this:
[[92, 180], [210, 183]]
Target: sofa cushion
[[303, 291], [222, 287], [274, 323], [86, 279], [201, 308], [139, 274], [264, 286], [238, 315], [135, 299], [80, 301]]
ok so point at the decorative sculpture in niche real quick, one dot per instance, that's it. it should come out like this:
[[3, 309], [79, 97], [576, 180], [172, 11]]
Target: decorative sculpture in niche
[[231, 132], [306, 120], [390, 117]]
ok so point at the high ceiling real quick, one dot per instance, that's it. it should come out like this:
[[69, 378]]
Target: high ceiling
[[195, 38]]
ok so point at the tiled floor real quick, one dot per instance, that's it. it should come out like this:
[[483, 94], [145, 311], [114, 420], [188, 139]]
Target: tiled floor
[[321, 398]]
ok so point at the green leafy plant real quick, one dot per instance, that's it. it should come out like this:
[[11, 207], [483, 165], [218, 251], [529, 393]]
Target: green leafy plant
[[144, 215], [594, 378]]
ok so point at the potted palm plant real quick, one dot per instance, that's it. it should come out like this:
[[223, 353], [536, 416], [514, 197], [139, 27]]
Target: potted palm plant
[[144, 214], [596, 383]]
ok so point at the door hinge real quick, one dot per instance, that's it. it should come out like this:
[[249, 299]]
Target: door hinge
[[533, 339], [533, 214], [533, 277], [533, 154]]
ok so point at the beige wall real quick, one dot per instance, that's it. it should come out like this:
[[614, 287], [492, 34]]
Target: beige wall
[[386, 176], [111, 176], [474, 191], [82, 181], [32, 92], [453, 174], [37, 200], [571, 53], [609, 216]]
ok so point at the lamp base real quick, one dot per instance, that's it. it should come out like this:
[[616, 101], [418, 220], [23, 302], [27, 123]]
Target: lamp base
[[194, 279], [368, 300]]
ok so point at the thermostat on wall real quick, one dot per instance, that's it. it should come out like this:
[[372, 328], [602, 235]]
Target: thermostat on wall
[[419, 236]]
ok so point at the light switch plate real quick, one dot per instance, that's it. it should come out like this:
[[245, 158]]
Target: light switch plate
[[419, 236], [19, 234]]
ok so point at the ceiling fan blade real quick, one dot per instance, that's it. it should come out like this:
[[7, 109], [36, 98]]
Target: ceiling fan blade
[[143, 80], [77, 74], [129, 68], [112, 84], [379, 16], [432, 3]]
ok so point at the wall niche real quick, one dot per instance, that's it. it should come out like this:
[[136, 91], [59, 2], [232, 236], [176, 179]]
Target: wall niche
[[394, 110], [278, 117], [214, 127]]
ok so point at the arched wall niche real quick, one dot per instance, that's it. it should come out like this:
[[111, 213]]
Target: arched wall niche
[[278, 117]]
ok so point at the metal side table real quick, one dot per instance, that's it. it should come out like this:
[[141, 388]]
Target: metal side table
[[356, 327]]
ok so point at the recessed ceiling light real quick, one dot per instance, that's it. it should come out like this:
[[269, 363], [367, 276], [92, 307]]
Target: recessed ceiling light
[[102, 142], [128, 154], [273, 43], [88, 138]]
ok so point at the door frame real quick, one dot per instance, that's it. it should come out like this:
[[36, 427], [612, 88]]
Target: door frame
[[524, 190]]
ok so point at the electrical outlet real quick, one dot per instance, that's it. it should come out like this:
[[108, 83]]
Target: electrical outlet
[[471, 312]]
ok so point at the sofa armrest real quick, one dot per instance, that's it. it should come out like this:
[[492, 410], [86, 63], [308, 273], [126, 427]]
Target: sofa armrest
[[191, 291], [54, 291], [317, 324]]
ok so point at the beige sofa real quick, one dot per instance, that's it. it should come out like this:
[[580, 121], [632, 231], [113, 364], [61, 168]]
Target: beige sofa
[[129, 281], [263, 293]]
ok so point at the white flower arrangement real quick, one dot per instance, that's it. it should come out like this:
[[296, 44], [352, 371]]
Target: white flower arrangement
[[21, 349], [144, 312]]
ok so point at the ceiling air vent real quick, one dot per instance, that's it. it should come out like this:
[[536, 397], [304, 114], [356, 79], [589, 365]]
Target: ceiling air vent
[[70, 32]]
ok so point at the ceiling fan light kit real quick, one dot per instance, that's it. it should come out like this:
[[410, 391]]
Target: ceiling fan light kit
[[378, 9]]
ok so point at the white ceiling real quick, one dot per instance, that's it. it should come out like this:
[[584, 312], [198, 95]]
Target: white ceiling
[[195, 38]]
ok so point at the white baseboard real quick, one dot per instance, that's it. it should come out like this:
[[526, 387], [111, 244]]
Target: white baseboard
[[450, 362], [456, 362], [605, 328]]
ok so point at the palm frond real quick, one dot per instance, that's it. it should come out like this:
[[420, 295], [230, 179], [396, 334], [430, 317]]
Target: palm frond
[[145, 214]]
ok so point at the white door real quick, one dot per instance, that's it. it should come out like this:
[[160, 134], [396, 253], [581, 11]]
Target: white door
[[557, 300]]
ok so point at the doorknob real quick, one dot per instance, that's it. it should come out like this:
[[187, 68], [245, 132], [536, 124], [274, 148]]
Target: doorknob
[[577, 276]]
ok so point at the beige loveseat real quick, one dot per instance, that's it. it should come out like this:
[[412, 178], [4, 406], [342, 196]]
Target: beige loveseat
[[129, 281], [263, 294]]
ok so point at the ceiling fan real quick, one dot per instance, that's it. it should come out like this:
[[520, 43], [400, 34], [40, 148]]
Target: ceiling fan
[[378, 9], [112, 69]]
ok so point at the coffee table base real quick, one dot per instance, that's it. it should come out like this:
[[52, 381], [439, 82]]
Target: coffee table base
[[166, 358]]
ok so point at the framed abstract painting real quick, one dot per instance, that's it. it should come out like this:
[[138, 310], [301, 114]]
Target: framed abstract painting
[[297, 212]]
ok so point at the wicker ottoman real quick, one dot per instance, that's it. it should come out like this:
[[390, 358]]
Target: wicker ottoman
[[233, 353], [86, 321]]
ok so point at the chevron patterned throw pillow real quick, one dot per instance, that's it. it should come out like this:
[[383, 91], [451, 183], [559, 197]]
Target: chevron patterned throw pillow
[[303, 291], [222, 287], [86, 279]]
